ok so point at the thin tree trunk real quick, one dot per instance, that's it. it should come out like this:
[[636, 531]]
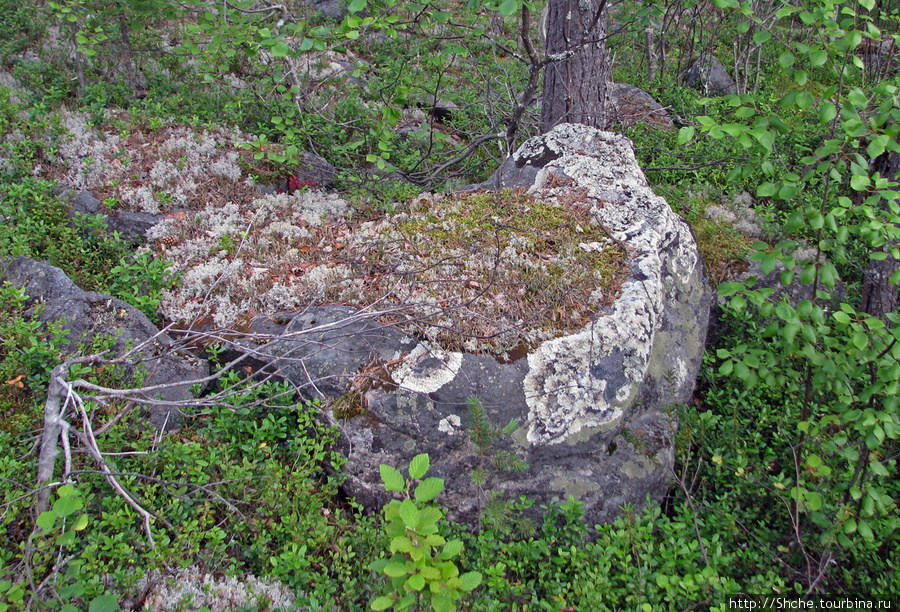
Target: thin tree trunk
[[879, 296], [128, 53], [79, 60], [577, 77]]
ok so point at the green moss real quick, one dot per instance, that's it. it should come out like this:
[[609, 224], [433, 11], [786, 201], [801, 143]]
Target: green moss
[[519, 262]]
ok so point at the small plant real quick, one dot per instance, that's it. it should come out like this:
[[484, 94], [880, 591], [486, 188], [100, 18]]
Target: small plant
[[139, 280], [417, 571]]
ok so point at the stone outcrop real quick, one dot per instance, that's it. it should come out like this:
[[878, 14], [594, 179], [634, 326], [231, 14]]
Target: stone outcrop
[[584, 409], [88, 316], [707, 74], [591, 405]]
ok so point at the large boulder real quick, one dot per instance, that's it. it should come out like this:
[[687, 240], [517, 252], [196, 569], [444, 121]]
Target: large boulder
[[593, 404], [89, 317]]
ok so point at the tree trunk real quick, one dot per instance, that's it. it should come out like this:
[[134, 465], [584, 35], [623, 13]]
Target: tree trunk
[[879, 296], [576, 78]]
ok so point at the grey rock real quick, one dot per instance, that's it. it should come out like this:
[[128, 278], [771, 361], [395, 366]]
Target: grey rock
[[131, 226], [85, 203], [708, 75], [592, 405], [333, 9], [633, 105], [316, 169], [89, 316]]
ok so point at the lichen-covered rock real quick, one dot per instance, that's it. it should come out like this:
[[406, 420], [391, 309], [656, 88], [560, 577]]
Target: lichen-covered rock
[[90, 317], [591, 404]]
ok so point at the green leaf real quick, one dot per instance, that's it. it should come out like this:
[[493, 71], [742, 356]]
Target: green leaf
[[281, 49], [419, 465], [356, 6], [827, 113], [409, 514], [104, 603], [470, 581], [392, 478], [395, 569], [66, 505], [428, 489], [860, 182], [877, 146], [812, 500], [508, 7], [685, 135], [818, 57], [416, 582], [865, 531], [786, 59], [761, 37], [46, 520], [857, 98], [451, 549], [766, 190], [381, 603]]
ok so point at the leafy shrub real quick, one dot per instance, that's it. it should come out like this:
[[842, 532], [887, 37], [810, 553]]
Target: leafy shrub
[[419, 574]]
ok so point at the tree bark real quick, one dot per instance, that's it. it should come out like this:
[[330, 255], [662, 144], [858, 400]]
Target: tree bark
[[879, 296], [578, 70]]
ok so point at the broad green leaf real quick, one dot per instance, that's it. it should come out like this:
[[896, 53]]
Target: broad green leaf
[[104, 603], [281, 49], [416, 582], [429, 515], [80, 523], [865, 531], [392, 478], [766, 190], [470, 581], [860, 182], [857, 98], [508, 7], [827, 112], [787, 191], [786, 59], [812, 500], [877, 146], [419, 465], [428, 489], [685, 135], [761, 37], [381, 603], [356, 6], [46, 520], [451, 549], [395, 569], [66, 505], [409, 514], [818, 57]]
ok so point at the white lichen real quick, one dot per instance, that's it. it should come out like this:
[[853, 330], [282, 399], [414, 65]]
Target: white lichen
[[450, 425], [427, 368]]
